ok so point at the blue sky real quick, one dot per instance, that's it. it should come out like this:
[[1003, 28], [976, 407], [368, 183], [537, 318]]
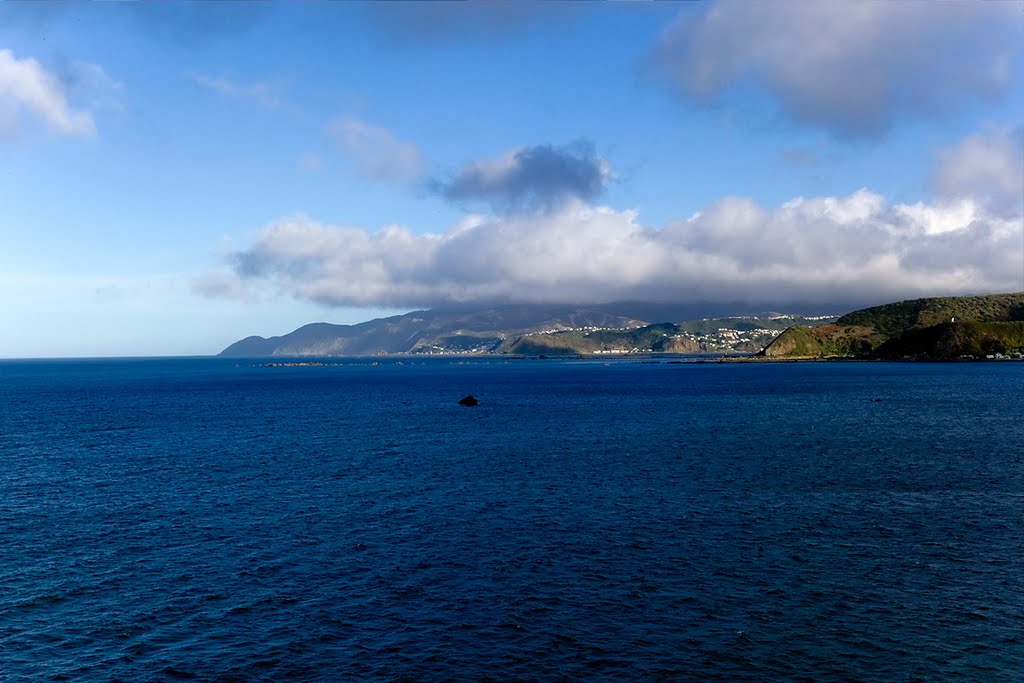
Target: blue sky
[[174, 177]]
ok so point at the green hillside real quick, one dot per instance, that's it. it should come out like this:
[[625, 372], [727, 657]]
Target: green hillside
[[951, 340], [662, 337], [896, 318], [939, 328], [824, 341]]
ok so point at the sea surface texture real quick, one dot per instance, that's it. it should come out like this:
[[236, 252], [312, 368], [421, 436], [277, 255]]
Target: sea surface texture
[[166, 520]]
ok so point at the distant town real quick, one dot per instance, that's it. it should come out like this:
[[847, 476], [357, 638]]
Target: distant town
[[730, 334]]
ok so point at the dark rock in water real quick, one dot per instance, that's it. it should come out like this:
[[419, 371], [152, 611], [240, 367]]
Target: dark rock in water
[[469, 401]]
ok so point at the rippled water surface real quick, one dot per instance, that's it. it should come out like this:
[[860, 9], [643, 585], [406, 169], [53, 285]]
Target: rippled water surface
[[198, 518]]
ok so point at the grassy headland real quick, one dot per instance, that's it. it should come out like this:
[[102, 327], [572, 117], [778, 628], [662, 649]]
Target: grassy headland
[[940, 328]]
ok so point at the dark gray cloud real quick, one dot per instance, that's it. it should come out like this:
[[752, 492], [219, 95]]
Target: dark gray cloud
[[852, 68], [538, 178]]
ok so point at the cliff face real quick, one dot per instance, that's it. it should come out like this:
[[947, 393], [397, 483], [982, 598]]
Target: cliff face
[[679, 345], [940, 328]]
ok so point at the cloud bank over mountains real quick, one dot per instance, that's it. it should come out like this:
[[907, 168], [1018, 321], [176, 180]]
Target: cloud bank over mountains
[[851, 68], [542, 231], [815, 249]]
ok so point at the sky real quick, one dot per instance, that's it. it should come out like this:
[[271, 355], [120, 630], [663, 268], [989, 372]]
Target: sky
[[177, 176]]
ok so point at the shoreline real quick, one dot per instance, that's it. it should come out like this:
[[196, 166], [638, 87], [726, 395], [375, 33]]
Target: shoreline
[[668, 358]]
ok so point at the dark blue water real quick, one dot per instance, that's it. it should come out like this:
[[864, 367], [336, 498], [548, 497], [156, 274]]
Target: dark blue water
[[163, 520]]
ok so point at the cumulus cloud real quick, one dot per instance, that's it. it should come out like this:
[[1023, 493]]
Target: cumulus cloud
[[852, 68], [830, 250], [823, 249], [987, 167], [378, 154], [542, 177], [264, 93], [26, 87]]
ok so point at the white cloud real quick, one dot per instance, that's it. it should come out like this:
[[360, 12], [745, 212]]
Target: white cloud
[[850, 67], [376, 151], [264, 93], [939, 219], [988, 167], [827, 249], [25, 86], [834, 249]]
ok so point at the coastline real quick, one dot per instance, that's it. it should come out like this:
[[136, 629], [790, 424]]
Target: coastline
[[668, 359]]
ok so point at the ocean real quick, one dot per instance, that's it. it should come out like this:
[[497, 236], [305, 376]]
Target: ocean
[[219, 520]]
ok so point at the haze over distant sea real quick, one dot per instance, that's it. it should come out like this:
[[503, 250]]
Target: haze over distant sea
[[217, 519]]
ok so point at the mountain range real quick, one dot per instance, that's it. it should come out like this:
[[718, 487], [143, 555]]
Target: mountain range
[[938, 328], [528, 329]]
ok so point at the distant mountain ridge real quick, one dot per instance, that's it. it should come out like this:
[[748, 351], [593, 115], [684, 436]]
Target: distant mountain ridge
[[495, 329], [418, 331]]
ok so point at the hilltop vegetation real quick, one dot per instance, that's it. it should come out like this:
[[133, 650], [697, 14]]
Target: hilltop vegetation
[[939, 328], [894, 319], [825, 340], [947, 341]]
